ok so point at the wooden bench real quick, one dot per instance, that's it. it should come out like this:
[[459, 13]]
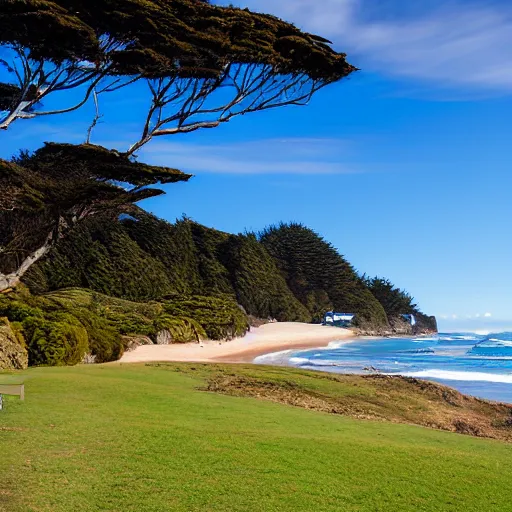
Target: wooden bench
[[13, 389]]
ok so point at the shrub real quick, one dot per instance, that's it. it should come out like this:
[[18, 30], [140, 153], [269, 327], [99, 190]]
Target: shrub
[[61, 340], [17, 311], [182, 329], [221, 318], [104, 340]]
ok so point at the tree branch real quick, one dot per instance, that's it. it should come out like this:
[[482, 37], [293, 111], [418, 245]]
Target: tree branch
[[97, 117], [11, 280], [195, 104]]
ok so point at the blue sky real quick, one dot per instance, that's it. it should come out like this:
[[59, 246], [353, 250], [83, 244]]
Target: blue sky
[[405, 167]]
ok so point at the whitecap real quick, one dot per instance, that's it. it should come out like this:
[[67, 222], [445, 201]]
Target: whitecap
[[458, 338], [461, 376], [505, 343], [302, 361]]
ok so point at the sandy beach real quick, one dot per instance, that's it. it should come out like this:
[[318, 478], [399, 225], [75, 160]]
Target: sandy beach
[[268, 338]]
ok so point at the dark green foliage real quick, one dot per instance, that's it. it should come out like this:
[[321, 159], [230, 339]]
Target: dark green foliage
[[101, 256], [175, 246], [165, 37], [319, 276], [209, 246], [220, 318], [145, 258], [62, 161], [291, 274], [395, 301], [61, 327], [45, 195], [181, 329], [259, 286], [104, 340], [59, 339], [17, 310]]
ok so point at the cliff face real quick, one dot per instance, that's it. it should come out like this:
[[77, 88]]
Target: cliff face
[[399, 327], [425, 324], [13, 355]]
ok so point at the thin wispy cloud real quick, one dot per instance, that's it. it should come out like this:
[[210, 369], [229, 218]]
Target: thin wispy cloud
[[460, 43], [268, 156]]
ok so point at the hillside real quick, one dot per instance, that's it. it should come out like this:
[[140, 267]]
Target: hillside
[[174, 446], [288, 273], [319, 276], [113, 284]]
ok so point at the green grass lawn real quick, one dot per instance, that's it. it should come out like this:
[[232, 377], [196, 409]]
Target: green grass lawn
[[144, 438]]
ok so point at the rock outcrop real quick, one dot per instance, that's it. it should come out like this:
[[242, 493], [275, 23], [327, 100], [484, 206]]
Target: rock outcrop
[[13, 355], [164, 337], [400, 327]]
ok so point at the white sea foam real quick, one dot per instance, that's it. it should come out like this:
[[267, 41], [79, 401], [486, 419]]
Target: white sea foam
[[462, 376], [505, 343], [336, 344], [299, 360], [419, 340], [273, 358], [303, 361], [458, 338]]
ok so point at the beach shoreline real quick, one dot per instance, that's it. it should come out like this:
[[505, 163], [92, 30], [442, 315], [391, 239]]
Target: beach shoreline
[[267, 339]]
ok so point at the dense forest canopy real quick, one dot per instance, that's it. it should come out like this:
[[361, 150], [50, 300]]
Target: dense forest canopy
[[318, 275], [287, 272]]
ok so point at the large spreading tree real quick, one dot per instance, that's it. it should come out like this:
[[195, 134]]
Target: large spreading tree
[[46, 194], [201, 65]]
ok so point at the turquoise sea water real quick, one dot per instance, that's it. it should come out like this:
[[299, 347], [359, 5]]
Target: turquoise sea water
[[479, 365]]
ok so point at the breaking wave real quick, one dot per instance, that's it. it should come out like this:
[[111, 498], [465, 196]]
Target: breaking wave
[[461, 376]]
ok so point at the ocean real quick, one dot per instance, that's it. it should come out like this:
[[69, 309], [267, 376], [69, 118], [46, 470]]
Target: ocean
[[475, 364]]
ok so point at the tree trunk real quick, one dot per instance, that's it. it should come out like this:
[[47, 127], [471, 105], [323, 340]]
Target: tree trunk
[[11, 280]]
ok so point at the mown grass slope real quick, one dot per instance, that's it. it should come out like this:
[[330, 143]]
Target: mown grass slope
[[149, 438]]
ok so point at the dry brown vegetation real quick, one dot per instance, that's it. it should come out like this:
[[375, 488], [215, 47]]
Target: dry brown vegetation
[[370, 397]]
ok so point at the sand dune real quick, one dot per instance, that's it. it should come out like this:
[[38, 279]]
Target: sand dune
[[262, 340]]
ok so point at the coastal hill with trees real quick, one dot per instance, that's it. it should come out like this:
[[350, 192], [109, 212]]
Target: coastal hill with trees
[[84, 271], [87, 274], [113, 284]]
